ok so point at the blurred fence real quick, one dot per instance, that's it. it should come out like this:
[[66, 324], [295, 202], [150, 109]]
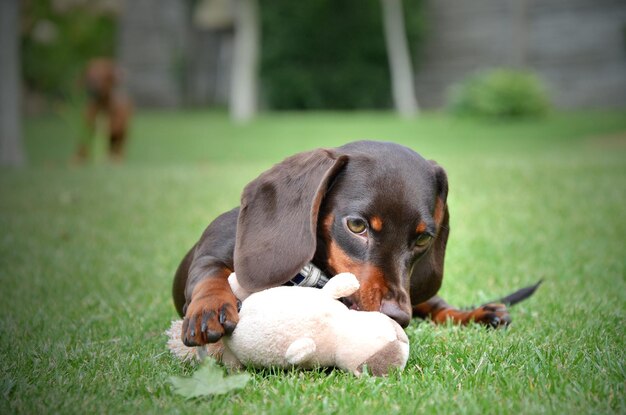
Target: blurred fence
[[578, 47]]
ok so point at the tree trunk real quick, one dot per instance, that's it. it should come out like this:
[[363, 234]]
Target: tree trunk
[[11, 152], [243, 91], [403, 88]]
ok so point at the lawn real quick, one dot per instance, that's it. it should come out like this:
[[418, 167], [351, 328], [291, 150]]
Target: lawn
[[87, 255]]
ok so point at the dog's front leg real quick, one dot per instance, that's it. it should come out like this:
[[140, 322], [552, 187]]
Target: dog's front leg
[[202, 293]]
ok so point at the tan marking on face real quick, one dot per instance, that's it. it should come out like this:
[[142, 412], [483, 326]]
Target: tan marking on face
[[339, 261], [377, 223], [371, 278], [327, 222], [421, 228], [373, 288], [439, 211]]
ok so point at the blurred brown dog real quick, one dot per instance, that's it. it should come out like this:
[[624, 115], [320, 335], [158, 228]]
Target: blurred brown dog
[[101, 81]]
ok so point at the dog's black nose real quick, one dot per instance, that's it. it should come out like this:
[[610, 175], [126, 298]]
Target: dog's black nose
[[393, 310]]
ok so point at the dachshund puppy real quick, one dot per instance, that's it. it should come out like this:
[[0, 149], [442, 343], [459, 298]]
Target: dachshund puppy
[[377, 210], [101, 80]]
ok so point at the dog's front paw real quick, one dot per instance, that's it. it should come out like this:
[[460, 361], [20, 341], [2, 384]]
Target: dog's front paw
[[493, 315], [211, 314]]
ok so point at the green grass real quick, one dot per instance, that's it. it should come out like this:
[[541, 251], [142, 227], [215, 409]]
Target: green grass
[[87, 255]]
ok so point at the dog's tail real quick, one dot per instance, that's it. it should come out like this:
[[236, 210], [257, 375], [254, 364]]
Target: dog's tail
[[518, 296]]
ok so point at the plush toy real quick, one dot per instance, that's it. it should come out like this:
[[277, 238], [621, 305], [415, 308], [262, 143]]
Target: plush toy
[[306, 327]]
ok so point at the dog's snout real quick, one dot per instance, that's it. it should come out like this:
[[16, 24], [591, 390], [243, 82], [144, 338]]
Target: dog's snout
[[393, 310]]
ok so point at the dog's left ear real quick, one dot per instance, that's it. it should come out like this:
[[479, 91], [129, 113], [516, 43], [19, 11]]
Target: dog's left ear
[[277, 225], [427, 273]]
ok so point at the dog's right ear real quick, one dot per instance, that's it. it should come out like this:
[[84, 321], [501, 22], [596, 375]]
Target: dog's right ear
[[277, 224]]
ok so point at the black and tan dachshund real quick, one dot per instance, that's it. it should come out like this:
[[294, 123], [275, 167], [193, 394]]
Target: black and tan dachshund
[[377, 210]]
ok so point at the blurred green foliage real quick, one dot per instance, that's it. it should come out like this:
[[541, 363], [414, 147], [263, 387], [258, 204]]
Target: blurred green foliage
[[499, 93], [57, 43], [321, 54]]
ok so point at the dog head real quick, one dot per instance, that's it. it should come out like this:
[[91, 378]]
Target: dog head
[[100, 79], [377, 210]]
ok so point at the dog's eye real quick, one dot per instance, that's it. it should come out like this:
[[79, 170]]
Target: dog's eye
[[423, 240], [356, 225]]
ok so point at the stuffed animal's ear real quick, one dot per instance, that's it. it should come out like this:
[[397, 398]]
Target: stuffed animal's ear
[[342, 285], [240, 292], [300, 350], [277, 224]]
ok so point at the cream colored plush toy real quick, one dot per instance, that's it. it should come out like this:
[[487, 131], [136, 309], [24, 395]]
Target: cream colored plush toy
[[307, 327]]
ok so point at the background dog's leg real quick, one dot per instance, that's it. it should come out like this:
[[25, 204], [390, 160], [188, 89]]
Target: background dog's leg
[[119, 115], [89, 128]]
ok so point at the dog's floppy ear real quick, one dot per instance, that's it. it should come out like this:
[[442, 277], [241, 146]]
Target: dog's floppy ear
[[276, 229], [427, 273]]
